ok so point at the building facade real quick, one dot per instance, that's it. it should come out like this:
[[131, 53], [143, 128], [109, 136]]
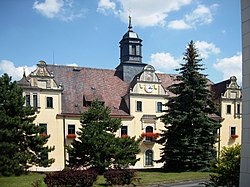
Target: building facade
[[245, 148], [133, 91], [227, 96]]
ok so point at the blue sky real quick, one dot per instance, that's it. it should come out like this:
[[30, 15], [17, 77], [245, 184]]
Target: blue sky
[[87, 33]]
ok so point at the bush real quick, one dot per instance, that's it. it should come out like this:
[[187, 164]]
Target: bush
[[119, 176], [82, 178], [227, 168]]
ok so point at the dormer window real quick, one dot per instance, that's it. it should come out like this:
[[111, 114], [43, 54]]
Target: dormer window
[[89, 98]]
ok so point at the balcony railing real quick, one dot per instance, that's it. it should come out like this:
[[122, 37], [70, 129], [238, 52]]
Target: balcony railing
[[150, 137], [71, 136], [234, 136], [43, 135]]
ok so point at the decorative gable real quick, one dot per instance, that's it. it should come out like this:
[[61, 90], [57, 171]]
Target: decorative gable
[[148, 74], [42, 78], [147, 82], [233, 90]]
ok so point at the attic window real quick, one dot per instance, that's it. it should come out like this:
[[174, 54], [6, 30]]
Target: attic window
[[86, 103], [76, 69], [88, 99], [233, 95], [42, 84]]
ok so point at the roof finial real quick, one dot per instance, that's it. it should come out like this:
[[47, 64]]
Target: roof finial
[[24, 74], [129, 24]]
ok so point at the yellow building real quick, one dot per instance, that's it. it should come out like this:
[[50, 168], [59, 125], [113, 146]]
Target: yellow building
[[229, 100], [134, 92]]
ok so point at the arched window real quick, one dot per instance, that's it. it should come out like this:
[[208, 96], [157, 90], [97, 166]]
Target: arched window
[[149, 158]]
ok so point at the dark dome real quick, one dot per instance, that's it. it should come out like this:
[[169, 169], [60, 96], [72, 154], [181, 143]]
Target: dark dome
[[130, 34]]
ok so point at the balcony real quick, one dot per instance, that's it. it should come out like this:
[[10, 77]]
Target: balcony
[[71, 136], [124, 136], [150, 137], [43, 135], [234, 136]]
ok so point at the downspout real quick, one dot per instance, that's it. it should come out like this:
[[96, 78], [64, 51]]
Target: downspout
[[219, 144], [64, 142]]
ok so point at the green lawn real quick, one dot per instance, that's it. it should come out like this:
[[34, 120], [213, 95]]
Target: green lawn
[[147, 177]]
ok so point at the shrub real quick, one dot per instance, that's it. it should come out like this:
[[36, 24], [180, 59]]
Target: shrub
[[227, 168], [119, 176], [70, 177]]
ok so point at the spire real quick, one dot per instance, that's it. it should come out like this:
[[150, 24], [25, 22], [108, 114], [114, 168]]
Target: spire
[[130, 24], [24, 74]]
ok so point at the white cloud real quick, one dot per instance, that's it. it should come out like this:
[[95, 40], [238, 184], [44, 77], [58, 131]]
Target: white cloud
[[62, 9], [8, 67], [206, 49], [202, 15], [106, 6], [164, 61], [178, 24], [231, 66], [49, 8], [144, 12], [73, 64]]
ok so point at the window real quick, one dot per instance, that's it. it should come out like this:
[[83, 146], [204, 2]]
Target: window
[[49, 102], [44, 126], [133, 50], [124, 130], [35, 101], [238, 109], [233, 95], [149, 129], [228, 109], [233, 131], [139, 106], [71, 129], [44, 156], [159, 107], [27, 100], [149, 158]]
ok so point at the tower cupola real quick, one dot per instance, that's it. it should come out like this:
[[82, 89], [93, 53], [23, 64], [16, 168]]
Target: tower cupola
[[130, 46], [130, 55]]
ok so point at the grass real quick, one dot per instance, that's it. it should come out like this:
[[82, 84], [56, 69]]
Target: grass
[[147, 177], [22, 181]]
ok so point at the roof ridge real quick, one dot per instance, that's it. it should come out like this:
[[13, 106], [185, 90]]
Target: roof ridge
[[83, 67]]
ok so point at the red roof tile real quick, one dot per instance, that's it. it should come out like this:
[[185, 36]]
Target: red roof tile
[[92, 83]]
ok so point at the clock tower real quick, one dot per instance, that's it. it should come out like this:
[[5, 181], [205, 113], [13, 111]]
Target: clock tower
[[130, 55]]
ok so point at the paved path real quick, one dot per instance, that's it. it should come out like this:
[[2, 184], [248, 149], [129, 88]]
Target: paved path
[[183, 184]]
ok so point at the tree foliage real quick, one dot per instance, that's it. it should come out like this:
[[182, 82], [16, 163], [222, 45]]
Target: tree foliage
[[97, 146], [20, 143], [188, 141], [226, 168]]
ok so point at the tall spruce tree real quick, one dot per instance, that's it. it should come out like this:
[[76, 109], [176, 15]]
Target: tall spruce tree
[[20, 143], [97, 146], [188, 140]]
